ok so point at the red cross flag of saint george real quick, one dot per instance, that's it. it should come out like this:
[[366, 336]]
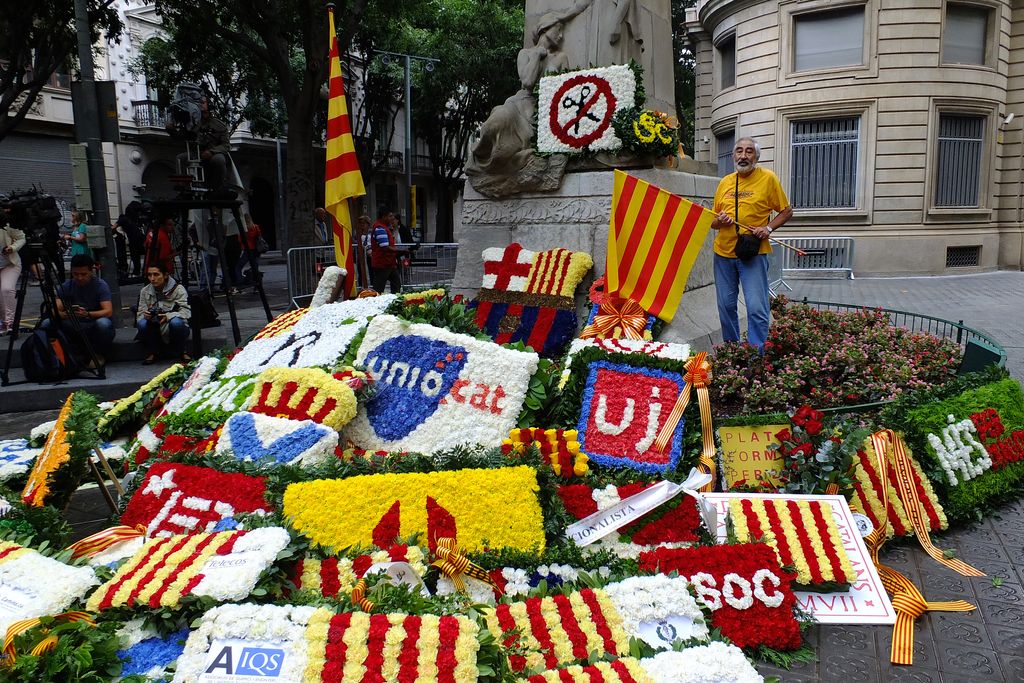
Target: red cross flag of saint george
[[508, 269]]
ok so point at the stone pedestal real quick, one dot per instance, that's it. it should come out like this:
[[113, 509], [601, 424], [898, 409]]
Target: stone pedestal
[[576, 217]]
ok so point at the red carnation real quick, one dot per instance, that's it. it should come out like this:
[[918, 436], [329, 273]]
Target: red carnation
[[784, 435], [813, 427]]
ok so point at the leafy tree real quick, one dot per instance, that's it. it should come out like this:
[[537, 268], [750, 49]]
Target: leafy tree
[[685, 73], [36, 38], [476, 42], [268, 60]]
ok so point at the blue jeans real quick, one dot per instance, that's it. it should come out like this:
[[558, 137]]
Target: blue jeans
[[98, 331], [149, 335], [730, 274], [253, 259]]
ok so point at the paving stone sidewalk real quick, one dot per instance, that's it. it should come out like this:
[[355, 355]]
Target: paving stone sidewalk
[[983, 646]]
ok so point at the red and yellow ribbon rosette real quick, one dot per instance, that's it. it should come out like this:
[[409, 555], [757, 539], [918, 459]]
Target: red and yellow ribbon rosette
[[453, 563], [616, 313], [104, 540], [46, 644], [698, 378]]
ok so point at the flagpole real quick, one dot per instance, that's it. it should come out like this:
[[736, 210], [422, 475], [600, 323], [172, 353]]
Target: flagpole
[[773, 240]]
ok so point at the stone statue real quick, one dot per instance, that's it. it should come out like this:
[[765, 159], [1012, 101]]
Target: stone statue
[[562, 35], [502, 161]]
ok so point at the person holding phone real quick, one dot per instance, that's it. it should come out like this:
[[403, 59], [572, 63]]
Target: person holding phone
[[163, 315], [86, 298]]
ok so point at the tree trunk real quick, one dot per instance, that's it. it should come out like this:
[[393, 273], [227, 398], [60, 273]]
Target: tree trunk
[[300, 181]]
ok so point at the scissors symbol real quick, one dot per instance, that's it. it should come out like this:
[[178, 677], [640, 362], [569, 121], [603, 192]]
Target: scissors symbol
[[582, 106]]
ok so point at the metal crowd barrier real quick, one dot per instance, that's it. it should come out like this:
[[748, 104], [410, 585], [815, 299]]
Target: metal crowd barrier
[[824, 257], [431, 265]]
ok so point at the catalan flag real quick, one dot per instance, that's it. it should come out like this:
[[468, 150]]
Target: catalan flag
[[342, 179], [653, 242]]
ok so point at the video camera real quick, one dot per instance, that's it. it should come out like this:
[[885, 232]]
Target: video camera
[[33, 212], [185, 112]]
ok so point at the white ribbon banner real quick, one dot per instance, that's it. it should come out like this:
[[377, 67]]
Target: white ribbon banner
[[604, 522]]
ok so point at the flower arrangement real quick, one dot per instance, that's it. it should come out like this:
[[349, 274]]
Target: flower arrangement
[[575, 109], [969, 498], [470, 505], [675, 523], [560, 630], [212, 404], [279, 440], [223, 565], [827, 359], [437, 389], [560, 447], [173, 498], [131, 408], [283, 629], [678, 352], [334, 576], [421, 297], [622, 670], [750, 597], [545, 329], [1003, 450], [202, 374], [516, 582], [16, 457], [646, 132], [816, 458], [553, 273], [145, 652], [803, 534], [65, 455], [34, 585], [868, 501], [961, 456], [304, 394], [715, 662], [624, 409], [642, 600], [328, 287], [282, 323]]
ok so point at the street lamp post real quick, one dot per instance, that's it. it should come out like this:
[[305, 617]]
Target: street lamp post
[[428, 64]]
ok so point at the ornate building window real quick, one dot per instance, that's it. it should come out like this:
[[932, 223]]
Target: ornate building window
[[823, 162], [961, 142]]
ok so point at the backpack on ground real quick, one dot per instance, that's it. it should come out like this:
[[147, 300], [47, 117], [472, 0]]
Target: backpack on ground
[[48, 357], [203, 312]]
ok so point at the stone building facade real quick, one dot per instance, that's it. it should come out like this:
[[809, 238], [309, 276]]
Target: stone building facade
[[896, 122]]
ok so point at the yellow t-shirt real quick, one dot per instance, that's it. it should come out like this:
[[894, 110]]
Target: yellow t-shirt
[[761, 193]]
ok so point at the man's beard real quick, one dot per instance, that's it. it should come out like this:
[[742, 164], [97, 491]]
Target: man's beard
[[750, 166]]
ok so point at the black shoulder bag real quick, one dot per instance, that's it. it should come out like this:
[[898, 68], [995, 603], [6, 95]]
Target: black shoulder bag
[[749, 245]]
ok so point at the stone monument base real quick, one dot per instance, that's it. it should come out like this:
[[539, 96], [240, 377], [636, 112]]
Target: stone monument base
[[576, 217]]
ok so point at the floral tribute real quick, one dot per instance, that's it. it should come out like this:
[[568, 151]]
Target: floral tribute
[[868, 501], [624, 409], [471, 506], [319, 339], [553, 273], [224, 565], [817, 458], [668, 351], [960, 454], [575, 110], [304, 394], [561, 630], [334, 576], [144, 652], [803, 534], [517, 582], [34, 585], [317, 645], [146, 399], [16, 458], [560, 447], [750, 597], [176, 499], [202, 374], [437, 389], [262, 438], [214, 403], [1003, 448], [58, 457], [646, 132], [282, 323], [527, 296], [673, 524], [622, 670], [715, 662]]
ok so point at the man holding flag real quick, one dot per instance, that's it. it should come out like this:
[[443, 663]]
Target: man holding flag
[[744, 201], [342, 179]]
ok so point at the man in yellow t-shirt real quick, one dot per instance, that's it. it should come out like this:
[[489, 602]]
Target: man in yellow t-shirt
[[746, 198]]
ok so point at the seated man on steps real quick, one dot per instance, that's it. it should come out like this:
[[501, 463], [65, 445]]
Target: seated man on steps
[[163, 315], [86, 298]]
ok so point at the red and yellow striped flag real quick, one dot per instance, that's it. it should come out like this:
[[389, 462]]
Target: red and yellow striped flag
[[653, 242], [342, 178]]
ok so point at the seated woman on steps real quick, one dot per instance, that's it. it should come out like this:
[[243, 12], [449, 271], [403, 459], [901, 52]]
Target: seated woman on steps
[[163, 315]]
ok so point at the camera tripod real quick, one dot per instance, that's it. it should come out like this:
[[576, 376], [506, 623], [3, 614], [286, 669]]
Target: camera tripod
[[47, 285]]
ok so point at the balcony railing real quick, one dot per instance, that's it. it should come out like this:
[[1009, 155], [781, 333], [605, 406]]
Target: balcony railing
[[421, 163], [387, 160], [148, 114]]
